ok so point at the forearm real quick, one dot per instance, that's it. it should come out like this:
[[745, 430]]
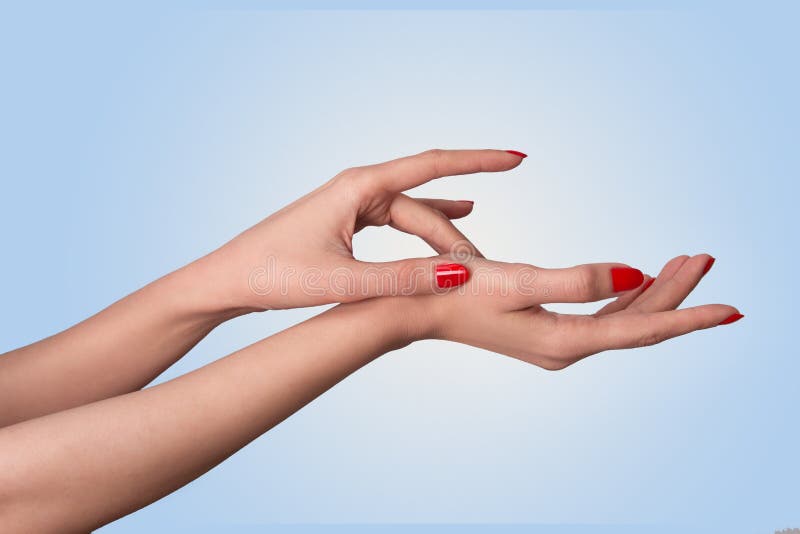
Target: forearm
[[84, 467], [118, 350]]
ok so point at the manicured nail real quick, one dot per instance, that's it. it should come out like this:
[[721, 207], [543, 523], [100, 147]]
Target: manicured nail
[[517, 153], [732, 319], [470, 201], [709, 263], [451, 275], [626, 278], [648, 284]]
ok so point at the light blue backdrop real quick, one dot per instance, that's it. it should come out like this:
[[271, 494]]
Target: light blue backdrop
[[136, 138]]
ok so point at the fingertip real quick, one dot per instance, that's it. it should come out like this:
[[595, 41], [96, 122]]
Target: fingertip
[[681, 257], [709, 263], [512, 158], [732, 318], [626, 278], [466, 206], [457, 209]]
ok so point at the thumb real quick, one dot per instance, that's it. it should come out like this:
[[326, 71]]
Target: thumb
[[414, 276]]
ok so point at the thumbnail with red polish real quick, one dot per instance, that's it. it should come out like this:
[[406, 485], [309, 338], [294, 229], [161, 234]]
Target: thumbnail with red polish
[[451, 275], [517, 153], [732, 319], [626, 278]]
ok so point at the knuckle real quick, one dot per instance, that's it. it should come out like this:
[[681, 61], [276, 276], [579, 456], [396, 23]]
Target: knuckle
[[434, 155], [583, 285], [650, 338], [408, 278], [438, 224], [346, 175], [356, 182], [354, 176], [524, 280]]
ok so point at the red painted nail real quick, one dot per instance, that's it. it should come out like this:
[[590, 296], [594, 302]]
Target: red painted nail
[[626, 278], [451, 275], [709, 263], [732, 319], [648, 284], [517, 153], [470, 201]]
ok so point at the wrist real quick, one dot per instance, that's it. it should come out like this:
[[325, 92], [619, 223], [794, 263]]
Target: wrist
[[410, 319], [196, 291]]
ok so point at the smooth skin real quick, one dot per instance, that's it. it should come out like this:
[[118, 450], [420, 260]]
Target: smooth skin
[[124, 347], [77, 469]]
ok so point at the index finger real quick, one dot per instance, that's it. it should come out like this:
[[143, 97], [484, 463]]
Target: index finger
[[401, 174]]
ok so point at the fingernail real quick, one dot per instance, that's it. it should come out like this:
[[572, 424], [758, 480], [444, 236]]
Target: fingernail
[[709, 263], [517, 153], [451, 275], [470, 201], [732, 319], [648, 284], [626, 278]]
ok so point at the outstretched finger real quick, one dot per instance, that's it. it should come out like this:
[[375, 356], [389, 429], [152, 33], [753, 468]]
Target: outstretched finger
[[629, 330], [401, 174], [583, 283]]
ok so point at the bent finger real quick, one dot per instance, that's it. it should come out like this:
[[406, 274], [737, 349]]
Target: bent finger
[[622, 302], [431, 225], [668, 292]]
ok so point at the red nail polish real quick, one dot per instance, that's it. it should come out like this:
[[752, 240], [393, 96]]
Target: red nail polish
[[470, 201], [626, 278], [648, 284], [732, 319], [451, 275], [517, 153], [709, 263]]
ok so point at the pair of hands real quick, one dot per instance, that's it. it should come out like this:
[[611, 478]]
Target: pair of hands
[[106, 447], [303, 256]]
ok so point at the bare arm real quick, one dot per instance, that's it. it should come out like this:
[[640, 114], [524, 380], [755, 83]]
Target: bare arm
[[81, 468], [118, 350], [125, 346]]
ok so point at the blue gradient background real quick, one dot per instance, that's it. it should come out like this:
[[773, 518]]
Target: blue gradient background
[[135, 138]]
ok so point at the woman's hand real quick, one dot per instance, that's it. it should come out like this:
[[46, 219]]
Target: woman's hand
[[288, 260], [78, 469], [500, 309], [303, 256]]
